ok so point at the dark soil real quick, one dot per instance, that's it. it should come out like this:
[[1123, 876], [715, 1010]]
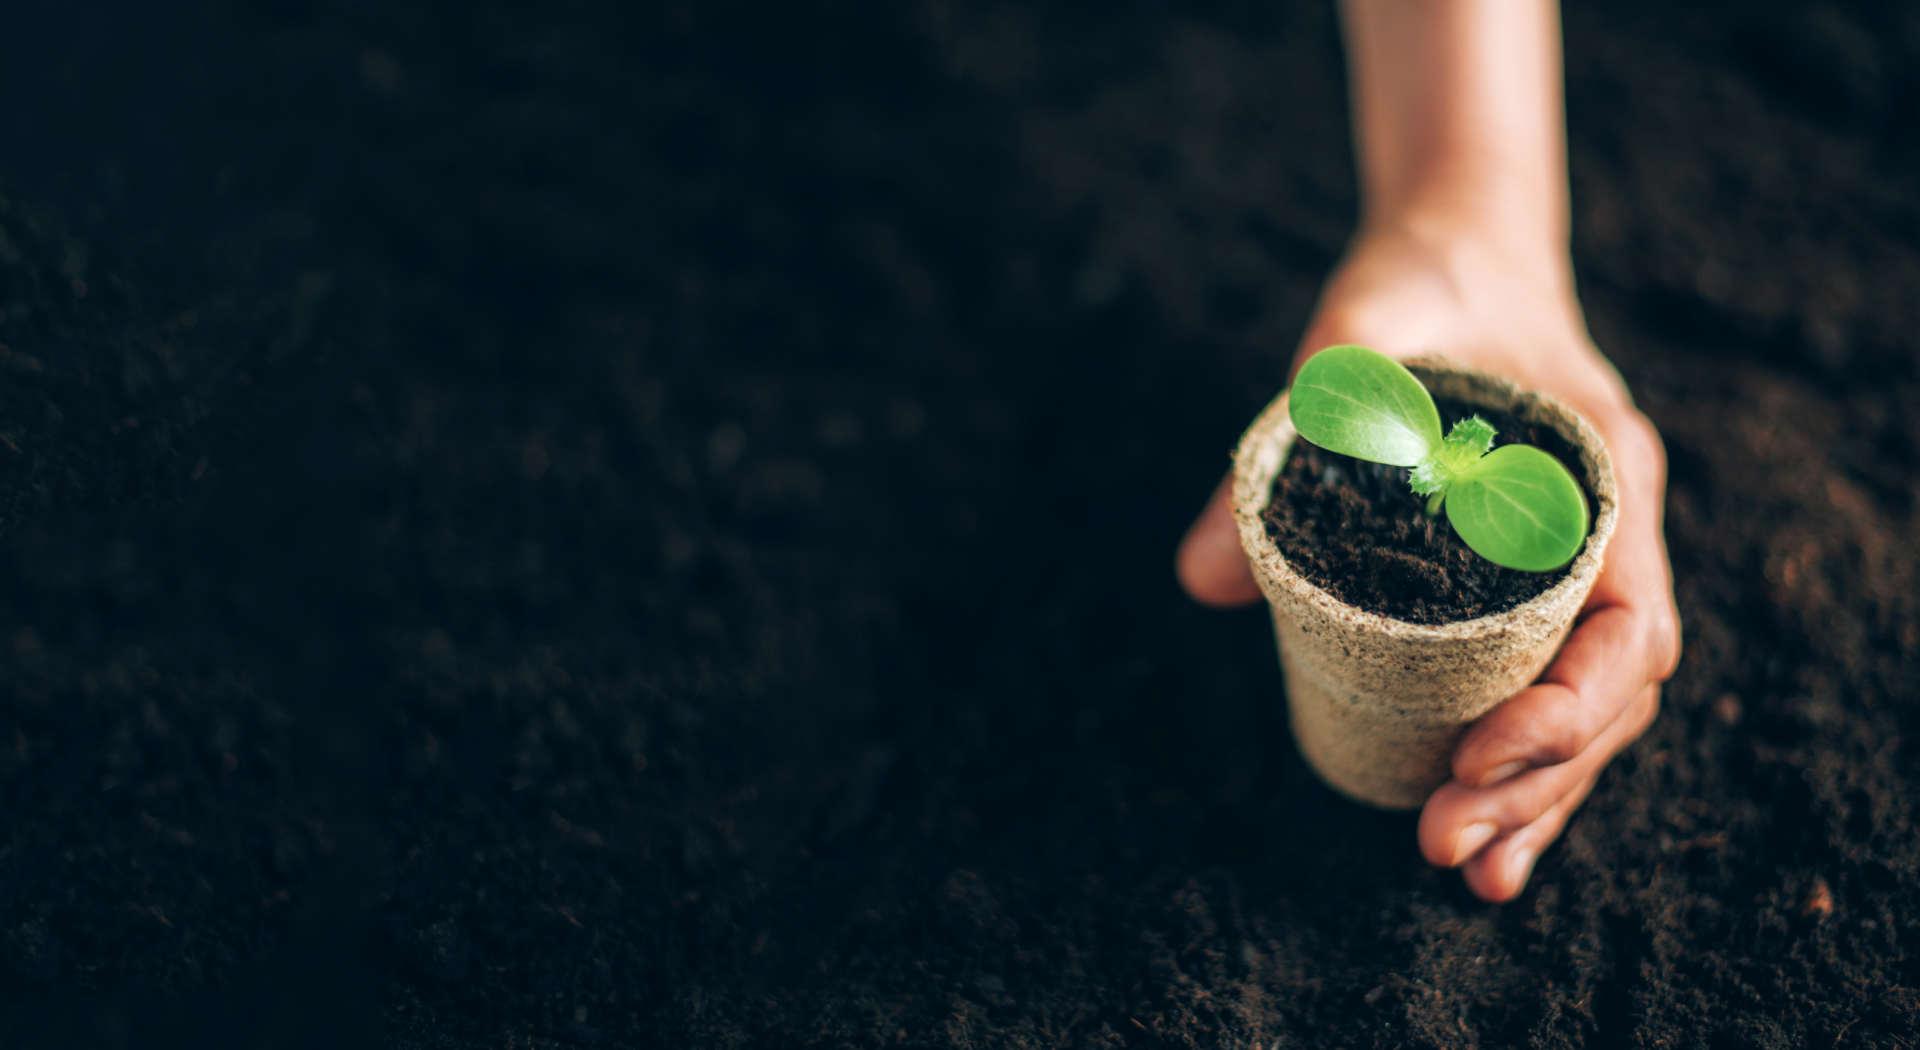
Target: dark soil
[[1357, 530], [682, 556]]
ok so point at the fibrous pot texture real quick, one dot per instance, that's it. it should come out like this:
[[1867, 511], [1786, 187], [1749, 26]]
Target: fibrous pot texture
[[1377, 704]]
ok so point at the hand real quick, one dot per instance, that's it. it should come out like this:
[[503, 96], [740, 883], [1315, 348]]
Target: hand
[[1521, 770]]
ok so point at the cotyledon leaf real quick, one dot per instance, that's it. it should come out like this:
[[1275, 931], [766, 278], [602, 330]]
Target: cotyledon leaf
[[1362, 403], [1519, 507]]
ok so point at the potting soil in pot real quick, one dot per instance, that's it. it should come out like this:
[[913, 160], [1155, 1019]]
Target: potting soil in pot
[[1358, 530]]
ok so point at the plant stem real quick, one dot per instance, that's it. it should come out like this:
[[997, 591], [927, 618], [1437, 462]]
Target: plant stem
[[1433, 503]]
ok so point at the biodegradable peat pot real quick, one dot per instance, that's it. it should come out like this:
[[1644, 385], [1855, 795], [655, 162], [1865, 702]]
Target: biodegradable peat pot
[[1376, 704]]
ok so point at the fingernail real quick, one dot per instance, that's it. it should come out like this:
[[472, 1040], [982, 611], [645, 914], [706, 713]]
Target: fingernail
[[1470, 841], [1502, 772], [1520, 868]]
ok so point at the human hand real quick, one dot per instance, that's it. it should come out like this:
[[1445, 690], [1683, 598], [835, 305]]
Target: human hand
[[1519, 772]]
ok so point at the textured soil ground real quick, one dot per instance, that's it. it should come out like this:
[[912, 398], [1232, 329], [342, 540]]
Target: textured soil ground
[[650, 525]]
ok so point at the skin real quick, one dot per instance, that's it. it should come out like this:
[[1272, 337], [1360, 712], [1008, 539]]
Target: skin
[[1463, 251]]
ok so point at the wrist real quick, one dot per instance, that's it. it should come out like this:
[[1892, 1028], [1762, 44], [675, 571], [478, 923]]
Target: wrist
[[1480, 229], [1459, 117]]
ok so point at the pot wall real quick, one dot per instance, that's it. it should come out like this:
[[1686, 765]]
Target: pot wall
[[1376, 704]]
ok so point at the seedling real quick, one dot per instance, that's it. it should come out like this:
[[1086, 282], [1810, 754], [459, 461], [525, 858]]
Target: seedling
[[1515, 506]]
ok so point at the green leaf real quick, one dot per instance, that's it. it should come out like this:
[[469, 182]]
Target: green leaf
[[1519, 507], [1465, 444], [1361, 403], [1469, 439]]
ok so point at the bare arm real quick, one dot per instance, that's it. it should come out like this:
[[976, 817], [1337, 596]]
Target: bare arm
[[1458, 110]]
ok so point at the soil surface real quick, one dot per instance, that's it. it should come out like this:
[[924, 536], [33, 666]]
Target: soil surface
[[650, 525], [1356, 529]]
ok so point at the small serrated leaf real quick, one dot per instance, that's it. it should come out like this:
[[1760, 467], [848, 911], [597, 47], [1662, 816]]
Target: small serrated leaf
[[1428, 478], [1471, 436]]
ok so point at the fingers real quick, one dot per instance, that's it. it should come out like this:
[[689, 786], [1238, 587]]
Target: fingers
[[1211, 566], [1460, 821], [1523, 769], [1605, 664], [1629, 638], [1501, 870]]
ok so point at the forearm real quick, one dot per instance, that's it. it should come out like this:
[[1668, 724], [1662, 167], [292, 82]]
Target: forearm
[[1459, 118]]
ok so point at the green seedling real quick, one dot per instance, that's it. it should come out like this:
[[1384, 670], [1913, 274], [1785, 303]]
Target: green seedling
[[1515, 506]]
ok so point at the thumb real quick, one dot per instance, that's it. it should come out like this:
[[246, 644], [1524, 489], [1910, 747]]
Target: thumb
[[1211, 566]]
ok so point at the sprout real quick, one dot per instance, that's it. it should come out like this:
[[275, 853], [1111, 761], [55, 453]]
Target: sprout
[[1515, 506]]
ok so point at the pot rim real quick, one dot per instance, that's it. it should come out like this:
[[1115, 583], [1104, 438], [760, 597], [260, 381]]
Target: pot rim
[[1272, 434]]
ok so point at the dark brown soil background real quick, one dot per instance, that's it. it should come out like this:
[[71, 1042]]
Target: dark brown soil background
[[650, 525], [1358, 530]]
